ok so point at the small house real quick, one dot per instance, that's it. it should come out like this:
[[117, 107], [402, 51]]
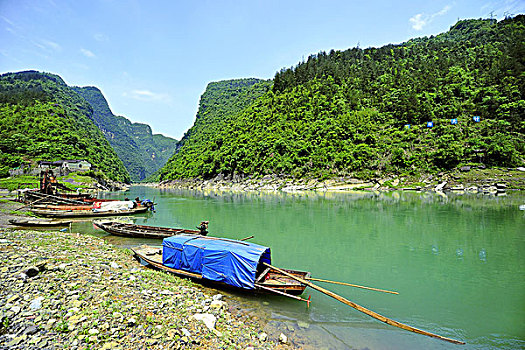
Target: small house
[[71, 165], [76, 165]]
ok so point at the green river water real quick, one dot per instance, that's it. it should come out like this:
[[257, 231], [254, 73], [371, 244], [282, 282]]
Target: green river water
[[457, 261]]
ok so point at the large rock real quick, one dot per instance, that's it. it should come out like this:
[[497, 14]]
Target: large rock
[[283, 338], [441, 186], [208, 319]]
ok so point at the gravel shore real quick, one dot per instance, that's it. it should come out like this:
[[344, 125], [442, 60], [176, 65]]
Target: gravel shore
[[73, 291]]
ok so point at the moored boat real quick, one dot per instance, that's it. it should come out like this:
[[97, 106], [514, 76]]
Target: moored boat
[[246, 266], [143, 231], [38, 222], [223, 261], [86, 213], [62, 207]]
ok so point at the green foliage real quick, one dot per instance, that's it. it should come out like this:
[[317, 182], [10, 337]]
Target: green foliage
[[14, 183], [345, 112], [141, 152], [218, 107], [52, 125]]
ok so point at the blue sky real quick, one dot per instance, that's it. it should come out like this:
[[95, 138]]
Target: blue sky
[[152, 59]]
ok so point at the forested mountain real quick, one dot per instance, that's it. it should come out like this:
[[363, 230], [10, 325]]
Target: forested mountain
[[429, 104], [142, 152], [41, 118], [218, 106]]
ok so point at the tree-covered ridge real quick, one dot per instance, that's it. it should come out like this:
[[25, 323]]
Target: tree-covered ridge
[[475, 68], [142, 152], [41, 118], [219, 104], [364, 112]]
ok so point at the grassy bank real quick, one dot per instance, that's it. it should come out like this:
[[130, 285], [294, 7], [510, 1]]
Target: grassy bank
[[71, 181]]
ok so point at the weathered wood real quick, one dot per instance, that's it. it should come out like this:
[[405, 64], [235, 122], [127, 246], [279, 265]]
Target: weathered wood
[[365, 310], [352, 285], [51, 197], [36, 222], [86, 213], [30, 204]]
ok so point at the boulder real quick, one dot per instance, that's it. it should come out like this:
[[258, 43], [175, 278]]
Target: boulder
[[441, 186]]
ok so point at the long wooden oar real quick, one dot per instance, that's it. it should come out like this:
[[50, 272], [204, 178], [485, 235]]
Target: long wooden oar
[[364, 309], [30, 204], [285, 294], [247, 238], [351, 285]]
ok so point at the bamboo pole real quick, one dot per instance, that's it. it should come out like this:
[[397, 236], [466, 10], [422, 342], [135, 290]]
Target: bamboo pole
[[365, 310], [283, 293], [351, 285], [30, 204]]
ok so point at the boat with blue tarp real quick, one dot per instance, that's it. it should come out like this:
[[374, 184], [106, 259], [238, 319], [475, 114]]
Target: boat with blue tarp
[[225, 261], [246, 266]]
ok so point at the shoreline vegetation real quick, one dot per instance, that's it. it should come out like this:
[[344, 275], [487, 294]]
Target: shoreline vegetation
[[468, 179]]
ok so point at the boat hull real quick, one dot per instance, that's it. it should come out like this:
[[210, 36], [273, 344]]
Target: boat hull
[[268, 279], [141, 231], [36, 222], [86, 213]]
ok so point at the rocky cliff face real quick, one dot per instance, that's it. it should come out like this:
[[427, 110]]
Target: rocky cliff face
[[142, 152]]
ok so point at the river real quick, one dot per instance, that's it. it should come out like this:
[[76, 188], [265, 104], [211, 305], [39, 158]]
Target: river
[[457, 261]]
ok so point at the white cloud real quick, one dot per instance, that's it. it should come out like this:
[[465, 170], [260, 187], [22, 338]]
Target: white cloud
[[442, 12], [48, 45], [146, 95], [418, 22], [421, 20], [101, 37], [87, 53], [7, 21]]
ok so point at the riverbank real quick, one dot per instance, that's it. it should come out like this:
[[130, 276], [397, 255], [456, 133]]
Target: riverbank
[[468, 179], [68, 290]]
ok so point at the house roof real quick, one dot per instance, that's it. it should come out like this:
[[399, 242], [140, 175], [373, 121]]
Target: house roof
[[60, 162]]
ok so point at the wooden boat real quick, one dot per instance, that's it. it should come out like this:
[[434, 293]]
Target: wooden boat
[[63, 207], [132, 230], [86, 213], [76, 196], [247, 266], [38, 222], [246, 271]]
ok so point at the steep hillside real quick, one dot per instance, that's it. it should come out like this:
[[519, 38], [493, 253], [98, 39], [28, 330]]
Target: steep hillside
[[363, 112], [142, 152], [219, 105], [41, 118]]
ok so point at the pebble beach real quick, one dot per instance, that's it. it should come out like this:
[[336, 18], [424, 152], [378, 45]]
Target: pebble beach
[[65, 290]]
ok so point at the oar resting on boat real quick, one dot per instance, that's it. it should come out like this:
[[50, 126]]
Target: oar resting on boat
[[351, 285], [363, 309]]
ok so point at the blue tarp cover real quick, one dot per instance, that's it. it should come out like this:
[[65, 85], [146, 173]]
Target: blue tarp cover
[[229, 261]]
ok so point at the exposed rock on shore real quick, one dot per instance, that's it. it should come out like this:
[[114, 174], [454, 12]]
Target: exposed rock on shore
[[466, 178]]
